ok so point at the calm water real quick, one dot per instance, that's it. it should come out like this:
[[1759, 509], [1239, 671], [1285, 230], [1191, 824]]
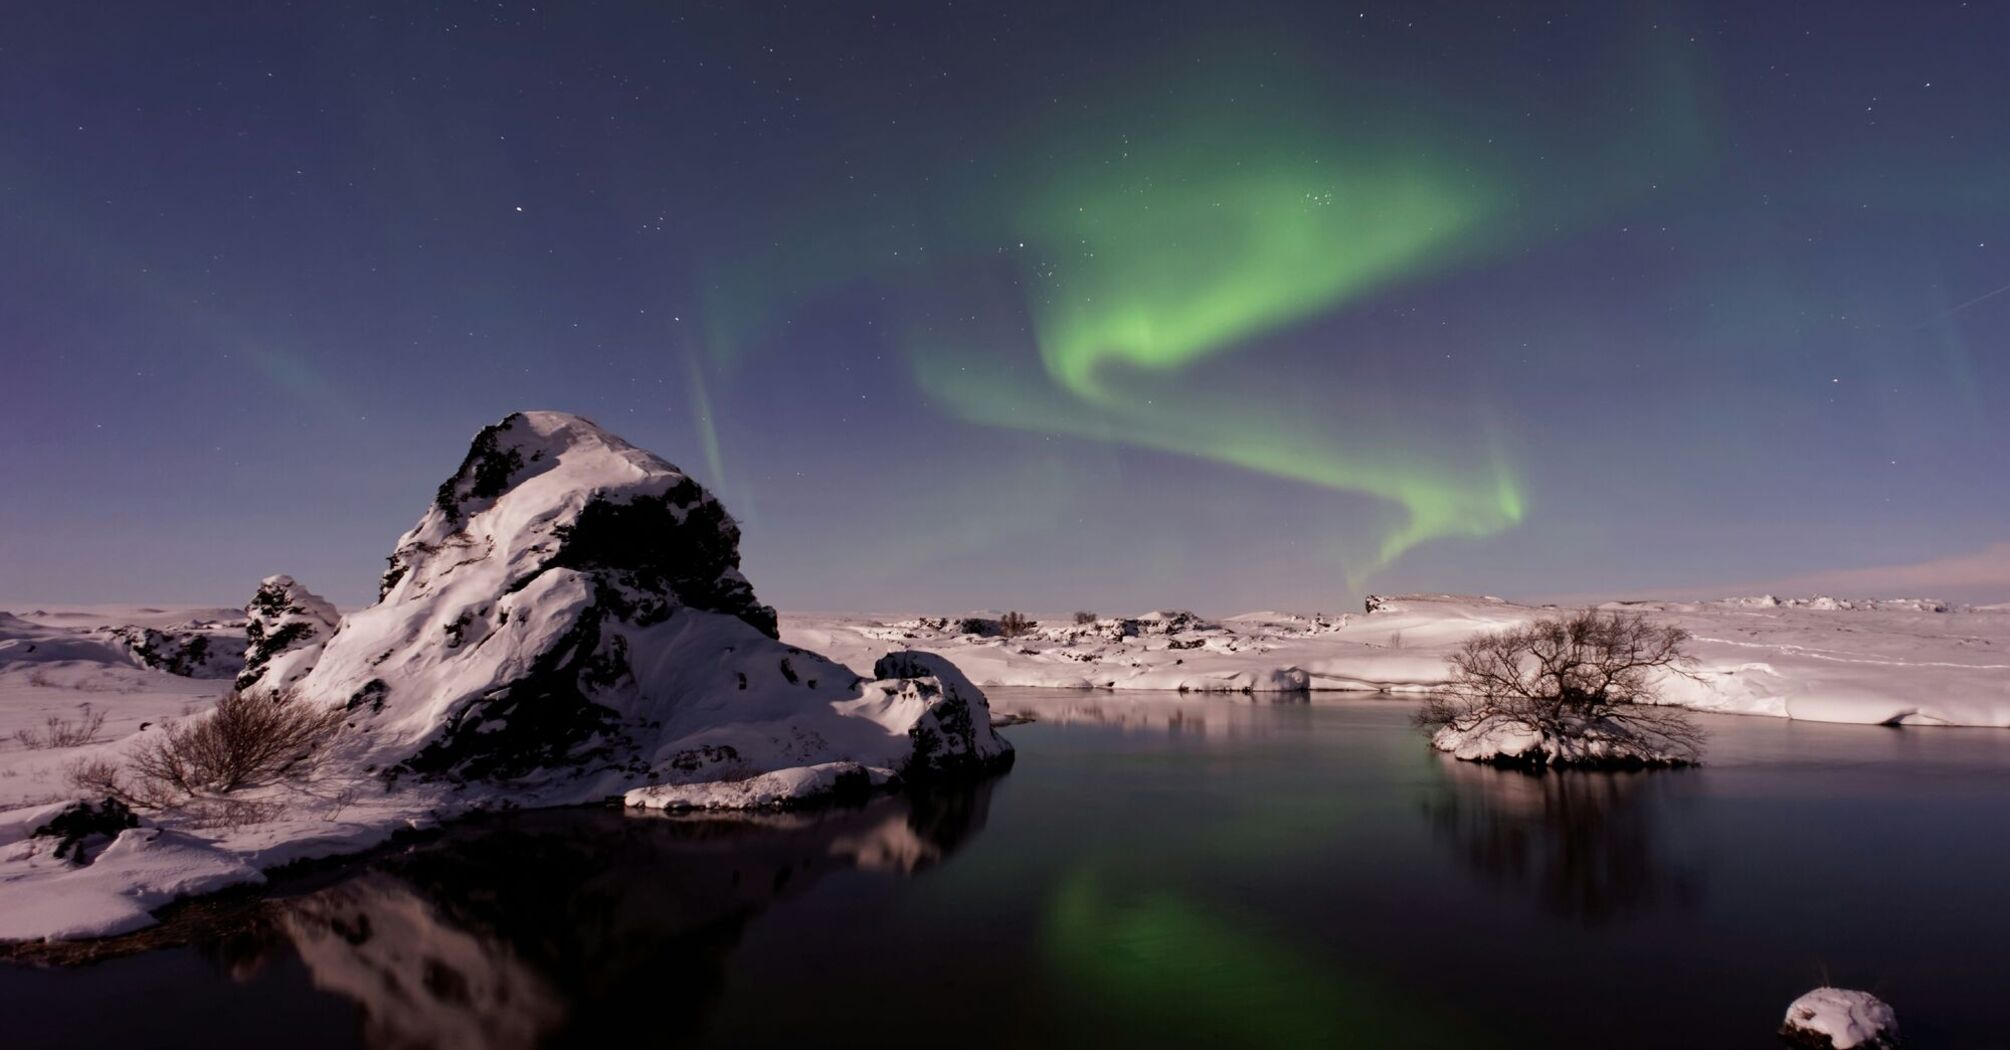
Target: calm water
[[1155, 870]]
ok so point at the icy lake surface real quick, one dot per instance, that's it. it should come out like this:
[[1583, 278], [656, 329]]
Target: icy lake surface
[[1156, 869]]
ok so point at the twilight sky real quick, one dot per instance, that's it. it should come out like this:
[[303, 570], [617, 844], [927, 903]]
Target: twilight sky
[[1086, 304]]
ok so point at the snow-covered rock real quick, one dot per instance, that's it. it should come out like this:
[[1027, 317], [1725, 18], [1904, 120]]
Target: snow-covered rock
[[198, 650], [1503, 740], [286, 627], [951, 728], [569, 619], [1840, 1019]]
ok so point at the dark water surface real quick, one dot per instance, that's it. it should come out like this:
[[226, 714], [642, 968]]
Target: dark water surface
[[1156, 870]]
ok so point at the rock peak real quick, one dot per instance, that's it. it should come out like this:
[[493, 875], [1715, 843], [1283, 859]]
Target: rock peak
[[551, 490]]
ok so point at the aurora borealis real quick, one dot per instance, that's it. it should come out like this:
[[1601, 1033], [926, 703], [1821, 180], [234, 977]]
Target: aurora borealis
[[1032, 305], [1193, 245]]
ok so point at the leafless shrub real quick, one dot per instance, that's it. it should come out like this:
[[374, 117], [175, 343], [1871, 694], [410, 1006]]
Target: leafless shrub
[[103, 778], [59, 732], [1014, 624], [1561, 675], [243, 742], [1084, 617]]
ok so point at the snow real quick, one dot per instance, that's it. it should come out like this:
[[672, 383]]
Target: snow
[[776, 788], [139, 871], [1494, 738], [1871, 662], [566, 623], [1842, 1019]]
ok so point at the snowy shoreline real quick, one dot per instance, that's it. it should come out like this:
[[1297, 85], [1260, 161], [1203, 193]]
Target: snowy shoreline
[[1871, 663], [1396, 651]]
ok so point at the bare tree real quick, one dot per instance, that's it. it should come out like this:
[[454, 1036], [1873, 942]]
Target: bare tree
[[1013, 624], [1563, 676], [1084, 617]]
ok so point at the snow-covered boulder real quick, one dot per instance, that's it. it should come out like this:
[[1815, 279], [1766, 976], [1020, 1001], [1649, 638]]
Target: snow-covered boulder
[[568, 620], [1505, 740], [1171, 621], [77, 825], [951, 729], [286, 628], [1839, 1019]]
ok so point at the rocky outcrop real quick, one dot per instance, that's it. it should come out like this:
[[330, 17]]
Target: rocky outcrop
[[1171, 621], [286, 627], [569, 619], [198, 650], [952, 734], [78, 825], [653, 538]]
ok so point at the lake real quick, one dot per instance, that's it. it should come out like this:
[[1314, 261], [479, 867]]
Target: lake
[[1155, 870]]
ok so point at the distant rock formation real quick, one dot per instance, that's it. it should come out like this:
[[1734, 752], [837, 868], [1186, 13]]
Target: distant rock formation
[[569, 618], [197, 650], [286, 627]]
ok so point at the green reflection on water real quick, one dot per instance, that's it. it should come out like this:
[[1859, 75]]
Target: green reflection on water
[[1163, 963]]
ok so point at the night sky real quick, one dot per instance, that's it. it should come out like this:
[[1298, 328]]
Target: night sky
[[1218, 305]]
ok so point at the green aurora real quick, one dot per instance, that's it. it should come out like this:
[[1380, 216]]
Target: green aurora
[[1153, 268], [1194, 248]]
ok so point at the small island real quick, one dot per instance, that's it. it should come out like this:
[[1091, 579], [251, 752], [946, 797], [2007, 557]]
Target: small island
[[1577, 691]]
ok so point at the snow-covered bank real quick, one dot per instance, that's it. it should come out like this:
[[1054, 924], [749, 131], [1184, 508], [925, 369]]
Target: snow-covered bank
[[566, 623], [1897, 662]]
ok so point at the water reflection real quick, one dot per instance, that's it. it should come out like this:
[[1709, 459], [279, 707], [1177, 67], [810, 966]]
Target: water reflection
[[575, 926], [1230, 715], [1586, 844], [1158, 963]]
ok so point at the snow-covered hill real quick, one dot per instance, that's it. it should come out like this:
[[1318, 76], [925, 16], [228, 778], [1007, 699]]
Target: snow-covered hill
[[1896, 661]]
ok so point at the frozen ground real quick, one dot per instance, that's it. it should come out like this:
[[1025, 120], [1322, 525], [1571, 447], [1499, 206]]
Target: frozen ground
[[1910, 662]]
